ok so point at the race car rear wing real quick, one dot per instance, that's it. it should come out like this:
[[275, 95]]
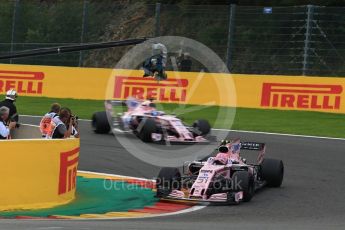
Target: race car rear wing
[[252, 146], [255, 146], [116, 102]]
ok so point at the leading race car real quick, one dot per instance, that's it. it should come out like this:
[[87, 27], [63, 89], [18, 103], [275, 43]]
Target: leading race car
[[150, 125], [224, 178]]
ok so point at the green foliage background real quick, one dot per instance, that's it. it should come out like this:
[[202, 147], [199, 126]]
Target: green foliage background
[[262, 44]]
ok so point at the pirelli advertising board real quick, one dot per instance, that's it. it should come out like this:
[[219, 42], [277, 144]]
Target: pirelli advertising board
[[191, 88], [323, 94]]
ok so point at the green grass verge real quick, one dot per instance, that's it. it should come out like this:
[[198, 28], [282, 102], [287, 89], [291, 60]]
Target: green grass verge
[[293, 122], [93, 198]]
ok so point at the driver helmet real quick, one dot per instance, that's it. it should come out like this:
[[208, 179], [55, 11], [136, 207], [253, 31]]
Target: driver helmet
[[11, 95], [223, 149], [148, 105]]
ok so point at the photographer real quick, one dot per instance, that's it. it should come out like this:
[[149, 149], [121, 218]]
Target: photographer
[[64, 126], [5, 131], [75, 127], [184, 63], [154, 66], [9, 102], [45, 123]]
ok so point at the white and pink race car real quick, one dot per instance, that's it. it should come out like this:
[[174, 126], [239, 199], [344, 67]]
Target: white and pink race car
[[224, 178], [150, 125]]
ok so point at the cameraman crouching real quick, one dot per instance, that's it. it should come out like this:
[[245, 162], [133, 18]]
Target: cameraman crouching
[[64, 126]]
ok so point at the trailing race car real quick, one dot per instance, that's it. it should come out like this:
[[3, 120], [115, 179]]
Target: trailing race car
[[150, 125], [223, 178]]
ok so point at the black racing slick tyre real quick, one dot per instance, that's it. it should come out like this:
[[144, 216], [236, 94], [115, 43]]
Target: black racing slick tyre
[[243, 181], [100, 123], [272, 171], [168, 179], [201, 127], [146, 128]]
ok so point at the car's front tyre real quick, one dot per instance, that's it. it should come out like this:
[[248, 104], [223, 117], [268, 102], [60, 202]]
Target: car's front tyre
[[146, 127], [243, 181], [169, 178]]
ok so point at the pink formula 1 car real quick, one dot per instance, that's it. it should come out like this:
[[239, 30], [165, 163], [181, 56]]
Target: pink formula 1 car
[[224, 178], [150, 125]]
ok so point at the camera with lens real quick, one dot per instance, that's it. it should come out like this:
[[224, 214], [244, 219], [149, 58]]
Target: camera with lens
[[74, 119], [12, 119]]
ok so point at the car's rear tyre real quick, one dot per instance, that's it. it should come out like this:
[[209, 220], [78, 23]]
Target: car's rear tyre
[[272, 171], [168, 179], [201, 127], [243, 181], [147, 127], [100, 123]]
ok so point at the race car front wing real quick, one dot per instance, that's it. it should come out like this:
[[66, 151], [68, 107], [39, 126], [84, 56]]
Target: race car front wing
[[230, 197]]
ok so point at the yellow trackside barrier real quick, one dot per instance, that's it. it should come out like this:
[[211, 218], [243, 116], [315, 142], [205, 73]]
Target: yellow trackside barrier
[[53, 81], [182, 88], [37, 173], [323, 94]]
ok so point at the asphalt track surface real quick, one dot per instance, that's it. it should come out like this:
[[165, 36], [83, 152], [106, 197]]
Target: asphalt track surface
[[312, 195]]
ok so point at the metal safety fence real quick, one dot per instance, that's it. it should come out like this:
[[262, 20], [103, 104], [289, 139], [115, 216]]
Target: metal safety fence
[[297, 40]]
